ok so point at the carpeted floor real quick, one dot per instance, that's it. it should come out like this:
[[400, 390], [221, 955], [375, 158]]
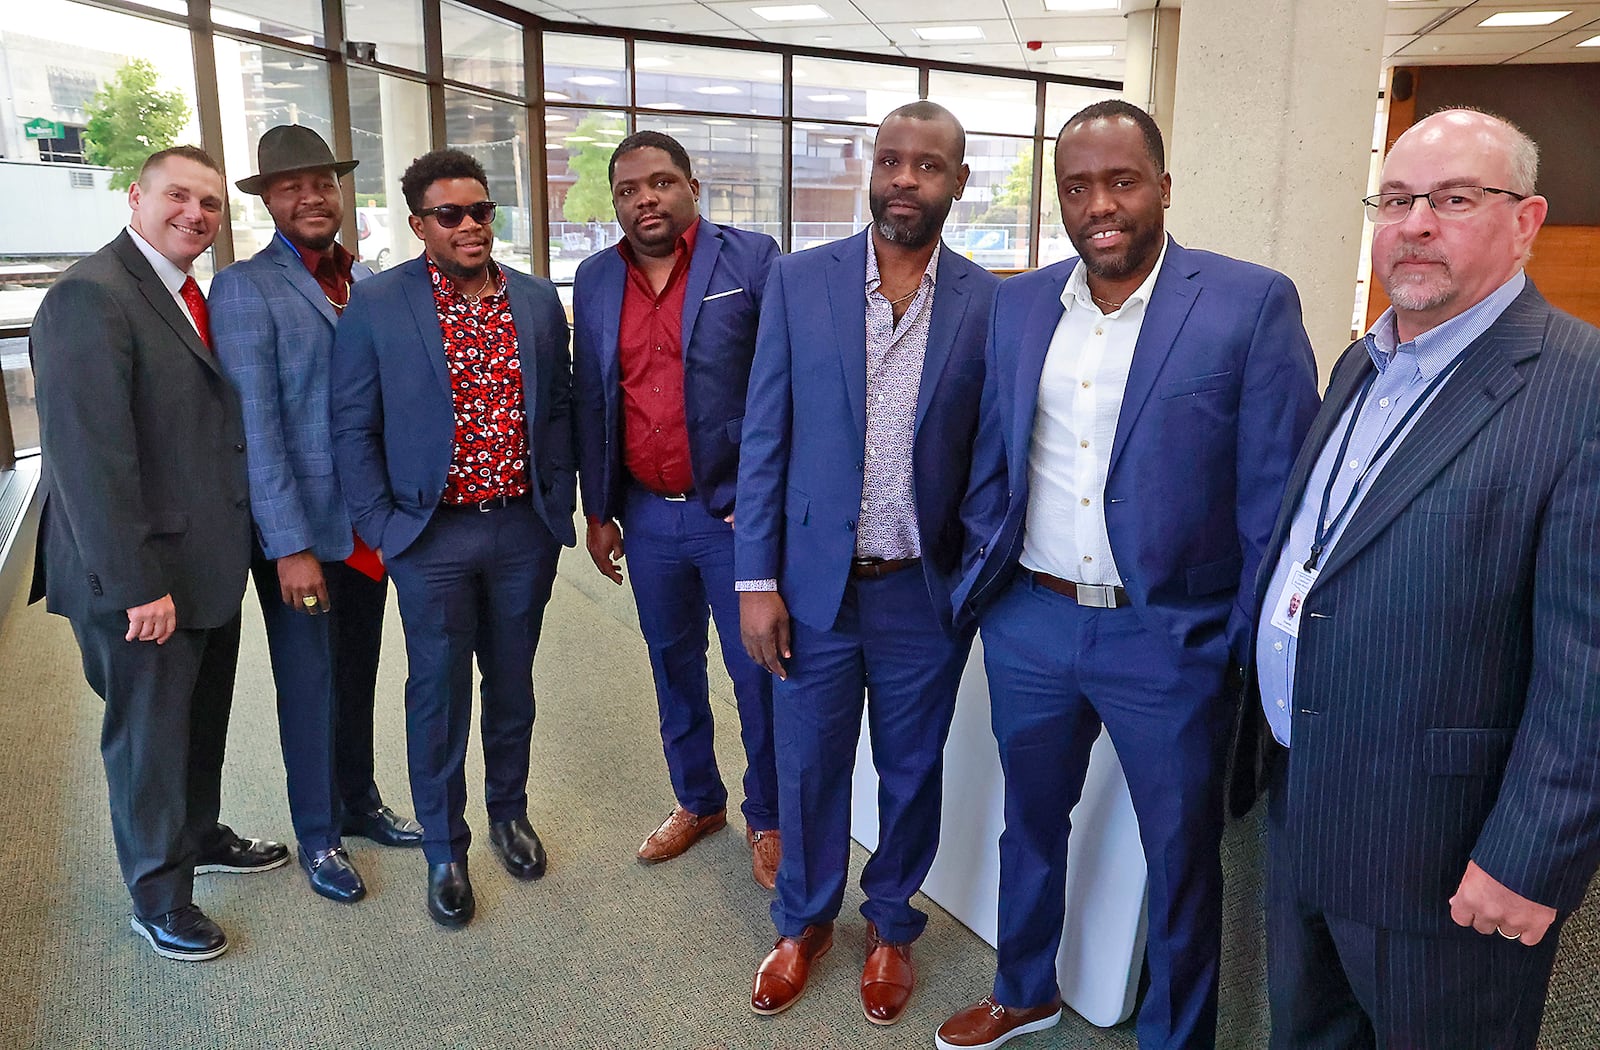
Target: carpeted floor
[[600, 953]]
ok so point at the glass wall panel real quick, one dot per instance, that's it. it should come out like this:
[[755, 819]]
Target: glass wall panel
[[578, 145], [832, 164], [65, 64], [393, 27], [674, 76], [989, 224], [496, 133], [585, 69], [259, 88], [739, 164], [296, 20], [481, 50], [19, 393], [388, 130], [864, 92], [994, 104], [1061, 101]]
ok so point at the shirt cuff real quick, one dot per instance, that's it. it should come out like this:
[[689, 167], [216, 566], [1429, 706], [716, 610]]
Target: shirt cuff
[[745, 586]]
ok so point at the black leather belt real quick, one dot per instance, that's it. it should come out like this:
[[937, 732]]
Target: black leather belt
[[493, 503], [1089, 595], [875, 568]]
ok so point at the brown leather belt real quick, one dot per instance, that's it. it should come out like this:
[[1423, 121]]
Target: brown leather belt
[[875, 568], [1089, 595]]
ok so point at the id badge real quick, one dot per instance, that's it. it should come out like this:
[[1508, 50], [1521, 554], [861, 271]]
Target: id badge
[[1291, 603]]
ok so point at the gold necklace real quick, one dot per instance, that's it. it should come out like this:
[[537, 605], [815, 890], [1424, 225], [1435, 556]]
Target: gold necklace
[[903, 298], [1104, 303], [473, 299], [339, 306]]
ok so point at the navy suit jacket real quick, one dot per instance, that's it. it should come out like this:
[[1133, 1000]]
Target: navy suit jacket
[[1220, 393], [1447, 679], [801, 470], [721, 308], [394, 415], [273, 330]]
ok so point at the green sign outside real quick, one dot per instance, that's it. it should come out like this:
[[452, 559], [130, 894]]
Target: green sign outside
[[40, 128]]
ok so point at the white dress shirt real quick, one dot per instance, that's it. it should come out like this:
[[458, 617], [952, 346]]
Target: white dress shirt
[[1080, 396], [172, 278]]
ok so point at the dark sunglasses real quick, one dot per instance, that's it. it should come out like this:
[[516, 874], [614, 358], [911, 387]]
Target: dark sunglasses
[[450, 215]]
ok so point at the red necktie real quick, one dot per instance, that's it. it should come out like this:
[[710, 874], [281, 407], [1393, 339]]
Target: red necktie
[[197, 309]]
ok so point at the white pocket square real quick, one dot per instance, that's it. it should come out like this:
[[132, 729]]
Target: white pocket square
[[719, 295]]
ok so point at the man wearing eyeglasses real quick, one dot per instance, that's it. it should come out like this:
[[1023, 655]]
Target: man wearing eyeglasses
[[452, 433], [1429, 706]]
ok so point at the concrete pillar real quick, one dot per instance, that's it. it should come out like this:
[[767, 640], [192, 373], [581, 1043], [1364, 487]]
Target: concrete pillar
[[1272, 139], [1150, 63]]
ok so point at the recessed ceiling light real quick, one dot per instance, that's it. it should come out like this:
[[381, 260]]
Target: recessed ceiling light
[[828, 98], [1080, 5], [1524, 18], [591, 81], [1085, 50], [1593, 41], [556, 96], [663, 105], [717, 89], [838, 142], [791, 13], [948, 33]]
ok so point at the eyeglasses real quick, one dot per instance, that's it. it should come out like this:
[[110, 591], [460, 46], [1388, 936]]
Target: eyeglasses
[[1448, 202], [450, 215]]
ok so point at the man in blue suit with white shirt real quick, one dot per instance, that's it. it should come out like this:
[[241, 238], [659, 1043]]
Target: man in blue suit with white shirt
[[1142, 406], [272, 320], [664, 330], [1429, 708], [857, 433]]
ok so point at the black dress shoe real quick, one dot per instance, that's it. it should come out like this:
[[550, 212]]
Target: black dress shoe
[[383, 826], [332, 874], [184, 934], [518, 847], [234, 853], [450, 900]]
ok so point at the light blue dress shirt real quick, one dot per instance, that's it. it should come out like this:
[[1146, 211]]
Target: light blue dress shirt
[[1405, 373]]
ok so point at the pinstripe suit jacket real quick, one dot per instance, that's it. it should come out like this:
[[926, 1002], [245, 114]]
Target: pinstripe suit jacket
[[273, 330], [1447, 683]]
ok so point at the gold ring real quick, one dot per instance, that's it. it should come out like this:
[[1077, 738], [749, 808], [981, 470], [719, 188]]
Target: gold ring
[[309, 601], [1508, 936]]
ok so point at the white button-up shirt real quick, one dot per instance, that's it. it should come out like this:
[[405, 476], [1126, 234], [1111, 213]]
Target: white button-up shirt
[[171, 277], [1080, 397]]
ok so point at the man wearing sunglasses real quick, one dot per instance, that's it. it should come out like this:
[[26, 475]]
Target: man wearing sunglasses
[[665, 328], [452, 435], [1428, 710]]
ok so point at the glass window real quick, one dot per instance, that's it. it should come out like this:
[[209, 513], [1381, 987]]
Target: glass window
[[994, 104], [19, 393], [259, 88], [857, 91], [1061, 101], [496, 133], [393, 27], [832, 165], [388, 130], [578, 145], [296, 20], [585, 69], [739, 164], [989, 224], [481, 50], [75, 69], [673, 77]]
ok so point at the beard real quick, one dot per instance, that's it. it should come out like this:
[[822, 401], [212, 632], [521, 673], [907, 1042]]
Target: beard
[[915, 232], [1144, 245], [1421, 292]]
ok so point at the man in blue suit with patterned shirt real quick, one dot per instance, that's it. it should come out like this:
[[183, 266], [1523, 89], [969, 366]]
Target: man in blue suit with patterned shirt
[[272, 319], [664, 330]]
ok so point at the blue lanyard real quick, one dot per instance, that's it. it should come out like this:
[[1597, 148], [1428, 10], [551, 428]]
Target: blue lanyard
[[1326, 528]]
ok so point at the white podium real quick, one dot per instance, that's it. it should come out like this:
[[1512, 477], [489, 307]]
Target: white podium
[[1102, 944]]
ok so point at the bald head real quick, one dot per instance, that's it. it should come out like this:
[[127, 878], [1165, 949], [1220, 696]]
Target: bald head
[[1483, 136]]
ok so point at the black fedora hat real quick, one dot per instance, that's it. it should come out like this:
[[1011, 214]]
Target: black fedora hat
[[291, 147]]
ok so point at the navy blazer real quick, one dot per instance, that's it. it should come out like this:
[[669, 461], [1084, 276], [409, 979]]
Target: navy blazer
[[801, 470], [1221, 390], [273, 327], [721, 308], [1447, 678], [394, 413]]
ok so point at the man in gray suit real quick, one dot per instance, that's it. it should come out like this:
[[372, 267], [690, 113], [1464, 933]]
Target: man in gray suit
[[145, 538], [1426, 652], [322, 592]]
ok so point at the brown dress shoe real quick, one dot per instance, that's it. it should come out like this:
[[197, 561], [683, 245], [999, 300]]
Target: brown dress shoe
[[781, 977], [886, 979], [986, 1024], [766, 851], [678, 832]]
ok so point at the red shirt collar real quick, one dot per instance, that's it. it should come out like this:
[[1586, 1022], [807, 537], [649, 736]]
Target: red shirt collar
[[684, 249], [313, 259]]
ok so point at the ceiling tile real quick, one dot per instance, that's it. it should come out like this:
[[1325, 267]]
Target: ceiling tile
[[887, 11], [1482, 43], [1467, 21], [838, 37], [1411, 18], [841, 12], [981, 54], [994, 32], [668, 18], [1067, 29]]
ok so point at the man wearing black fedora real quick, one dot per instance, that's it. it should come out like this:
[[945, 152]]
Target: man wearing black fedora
[[322, 591]]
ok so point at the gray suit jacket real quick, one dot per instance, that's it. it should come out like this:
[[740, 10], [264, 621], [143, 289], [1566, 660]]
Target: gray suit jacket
[[144, 466]]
